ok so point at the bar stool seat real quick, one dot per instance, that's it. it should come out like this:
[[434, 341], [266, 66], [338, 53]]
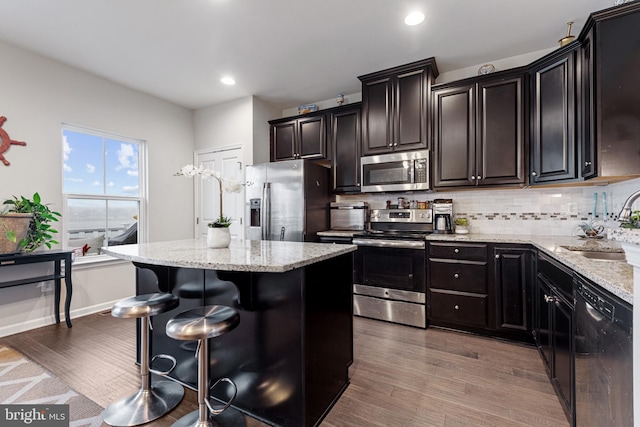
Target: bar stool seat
[[200, 324], [152, 400]]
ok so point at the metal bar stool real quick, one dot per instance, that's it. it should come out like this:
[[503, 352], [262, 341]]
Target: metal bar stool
[[200, 324], [152, 400]]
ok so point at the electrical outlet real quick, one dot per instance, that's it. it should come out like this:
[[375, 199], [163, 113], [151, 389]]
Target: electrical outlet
[[572, 208]]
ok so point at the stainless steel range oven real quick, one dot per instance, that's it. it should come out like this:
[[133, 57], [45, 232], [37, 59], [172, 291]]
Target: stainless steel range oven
[[390, 266]]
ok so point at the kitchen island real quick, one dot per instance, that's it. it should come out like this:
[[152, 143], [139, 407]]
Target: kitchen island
[[289, 356]]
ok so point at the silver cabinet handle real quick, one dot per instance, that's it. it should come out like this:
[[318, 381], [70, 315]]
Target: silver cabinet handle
[[391, 144], [455, 276], [457, 307], [456, 250], [479, 177], [534, 173], [497, 256], [548, 298], [587, 163], [473, 177]]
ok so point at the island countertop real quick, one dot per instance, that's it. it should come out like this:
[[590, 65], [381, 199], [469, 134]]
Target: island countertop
[[241, 255]]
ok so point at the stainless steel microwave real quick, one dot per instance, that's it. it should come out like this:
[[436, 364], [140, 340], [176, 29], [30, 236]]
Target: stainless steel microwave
[[404, 171]]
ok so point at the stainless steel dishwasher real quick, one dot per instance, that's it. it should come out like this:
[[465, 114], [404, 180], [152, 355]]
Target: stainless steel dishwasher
[[604, 357]]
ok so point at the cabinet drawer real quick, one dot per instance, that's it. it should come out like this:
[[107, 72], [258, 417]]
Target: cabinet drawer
[[459, 276], [465, 251], [557, 274], [457, 308]]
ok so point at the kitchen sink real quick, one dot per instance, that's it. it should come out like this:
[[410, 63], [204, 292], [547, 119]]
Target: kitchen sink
[[602, 256]]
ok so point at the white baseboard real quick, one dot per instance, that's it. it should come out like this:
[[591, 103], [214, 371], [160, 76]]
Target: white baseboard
[[50, 320]]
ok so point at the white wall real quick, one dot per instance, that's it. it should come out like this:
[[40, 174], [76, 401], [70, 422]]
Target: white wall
[[241, 122], [36, 96]]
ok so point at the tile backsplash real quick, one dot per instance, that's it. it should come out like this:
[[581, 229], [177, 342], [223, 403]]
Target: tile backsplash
[[539, 211]]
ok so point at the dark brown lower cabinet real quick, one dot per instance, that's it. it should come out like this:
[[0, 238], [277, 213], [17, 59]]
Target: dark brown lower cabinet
[[554, 328], [459, 293], [513, 276]]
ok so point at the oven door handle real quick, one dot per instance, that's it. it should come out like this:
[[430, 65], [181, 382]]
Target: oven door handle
[[397, 244]]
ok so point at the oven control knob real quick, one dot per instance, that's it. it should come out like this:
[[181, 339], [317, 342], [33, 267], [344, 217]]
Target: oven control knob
[[455, 276], [457, 307]]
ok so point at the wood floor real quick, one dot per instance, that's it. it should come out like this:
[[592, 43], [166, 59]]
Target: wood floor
[[401, 376]]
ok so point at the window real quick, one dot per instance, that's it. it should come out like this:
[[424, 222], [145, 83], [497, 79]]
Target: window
[[103, 190]]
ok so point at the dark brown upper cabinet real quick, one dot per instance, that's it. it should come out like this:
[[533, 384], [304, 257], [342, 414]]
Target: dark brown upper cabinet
[[303, 137], [395, 108], [345, 139], [609, 94], [479, 132], [553, 117]]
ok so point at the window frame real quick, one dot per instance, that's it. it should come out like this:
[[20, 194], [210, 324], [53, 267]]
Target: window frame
[[141, 198]]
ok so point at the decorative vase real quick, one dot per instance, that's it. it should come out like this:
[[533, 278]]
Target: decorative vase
[[218, 237], [462, 229]]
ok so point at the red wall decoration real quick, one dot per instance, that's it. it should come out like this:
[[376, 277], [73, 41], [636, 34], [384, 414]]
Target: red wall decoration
[[6, 142]]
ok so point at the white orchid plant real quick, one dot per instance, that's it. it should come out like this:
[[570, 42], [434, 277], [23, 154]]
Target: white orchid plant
[[225, 185]]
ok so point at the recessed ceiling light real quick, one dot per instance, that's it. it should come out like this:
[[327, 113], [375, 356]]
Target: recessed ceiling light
[[414, 18], [229, 81]]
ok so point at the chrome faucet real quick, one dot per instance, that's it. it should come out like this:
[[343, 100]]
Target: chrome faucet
[[625, 213]]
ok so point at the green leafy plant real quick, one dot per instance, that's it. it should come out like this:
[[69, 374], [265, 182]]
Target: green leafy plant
[[461, 222], [633, 221], [590, 229], [222, 222], [40, 231]]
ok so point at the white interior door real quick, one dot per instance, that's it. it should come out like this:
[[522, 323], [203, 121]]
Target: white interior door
[[229, 163]]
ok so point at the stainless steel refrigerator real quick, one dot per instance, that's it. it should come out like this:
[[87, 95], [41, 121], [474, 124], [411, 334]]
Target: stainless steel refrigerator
[[287, 201]]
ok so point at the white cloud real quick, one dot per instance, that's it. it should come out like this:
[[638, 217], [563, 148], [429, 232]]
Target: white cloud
[[66, 148], [90, 168], [67, 168], [96, 183], [126, 156], [110, 184], [132, 172], [74, 179], [130, 189]]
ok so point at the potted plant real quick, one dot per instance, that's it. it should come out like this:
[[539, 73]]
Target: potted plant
[[38, 232], [218, 235], [462, 225]]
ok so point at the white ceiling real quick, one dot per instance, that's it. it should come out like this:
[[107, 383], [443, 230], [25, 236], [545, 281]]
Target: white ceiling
[[287, 52]]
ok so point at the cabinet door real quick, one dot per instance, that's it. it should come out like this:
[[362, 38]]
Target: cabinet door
[[345, 140], [312, 138], [283, 141], [587, 108], [553, 142], [500, 132], [410, 111], [512, 270], [617, 42], [542, 320], [563, 351], [455, 143], [376, 113]]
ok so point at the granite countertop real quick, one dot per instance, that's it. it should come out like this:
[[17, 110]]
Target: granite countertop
[[242, 255], [614, 276]]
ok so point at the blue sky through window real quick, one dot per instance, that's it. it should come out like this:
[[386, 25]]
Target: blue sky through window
[[99, 166]]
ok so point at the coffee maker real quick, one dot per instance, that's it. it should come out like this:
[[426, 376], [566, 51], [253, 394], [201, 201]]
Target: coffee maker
[[442, 216]]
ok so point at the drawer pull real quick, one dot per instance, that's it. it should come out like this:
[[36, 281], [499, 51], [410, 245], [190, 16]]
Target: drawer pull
[[497, 256], [455, 276], [548, 298], [456, 250], [457, 307]]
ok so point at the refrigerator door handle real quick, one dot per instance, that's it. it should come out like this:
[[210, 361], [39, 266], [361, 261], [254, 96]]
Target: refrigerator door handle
[[266, 210]]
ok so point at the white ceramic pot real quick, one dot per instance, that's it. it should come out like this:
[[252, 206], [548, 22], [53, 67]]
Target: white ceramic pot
[[462, 229], [218, 237]]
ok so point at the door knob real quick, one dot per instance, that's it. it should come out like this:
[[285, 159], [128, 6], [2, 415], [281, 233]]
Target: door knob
[[457, 307], [455, 276], [456, 250]]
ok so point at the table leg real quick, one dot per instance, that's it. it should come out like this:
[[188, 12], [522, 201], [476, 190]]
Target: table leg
[[56, 300], [69, 287]]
